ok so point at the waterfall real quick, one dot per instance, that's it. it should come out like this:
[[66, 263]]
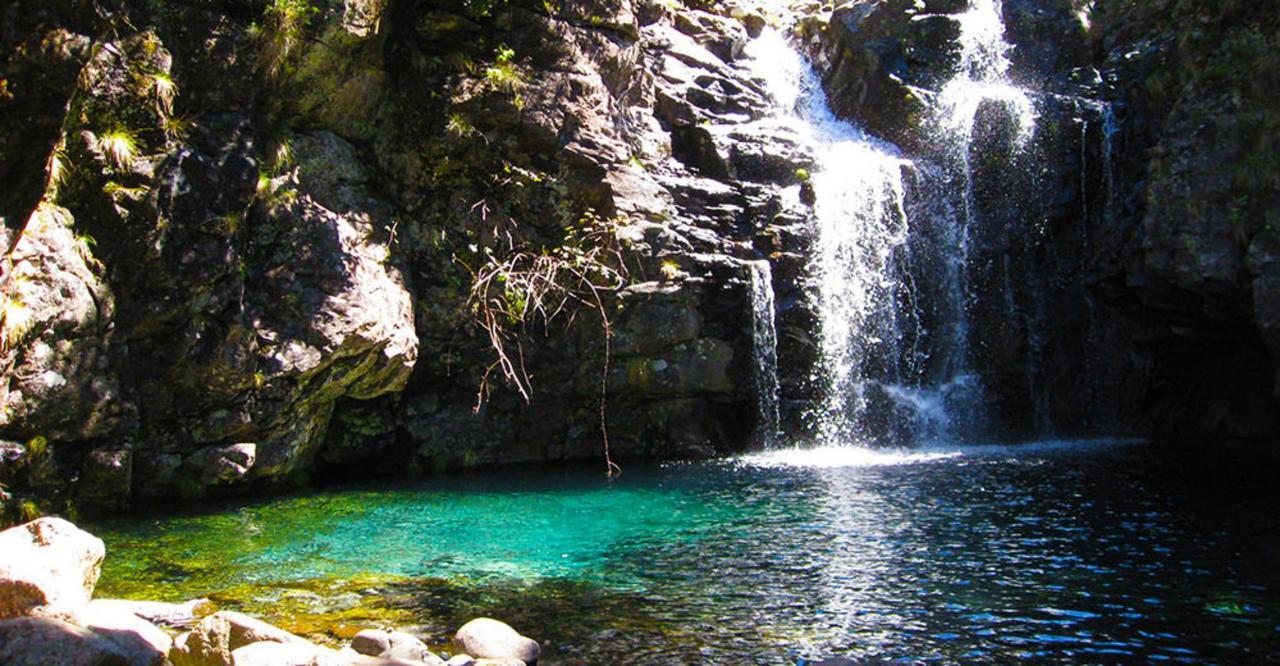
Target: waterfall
[[765, 348], [861, 228], [982, 76], [891, 233]]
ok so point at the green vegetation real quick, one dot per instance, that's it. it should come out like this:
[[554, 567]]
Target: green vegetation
[[119, 146], [503, 74], [282, 30], [479, 9], [458, 125], [524, 286], [164, 90]]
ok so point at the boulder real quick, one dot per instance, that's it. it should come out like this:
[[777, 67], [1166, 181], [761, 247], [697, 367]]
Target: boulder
[[407, 646], [106, 476], [141, 642], [181, 615], [372, 642], [47, 567], [460, 660], [40, 641], [395, 645], [213, 640], [269, 653], [486, 638], [222, 464], [350, 657]]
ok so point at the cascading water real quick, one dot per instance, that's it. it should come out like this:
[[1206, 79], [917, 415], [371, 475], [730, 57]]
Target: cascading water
[[893, 265], [982, 77], [861, 228], [765, 348], [981, 81]]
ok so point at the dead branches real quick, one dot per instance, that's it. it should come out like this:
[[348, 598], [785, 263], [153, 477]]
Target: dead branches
[[519, 288]]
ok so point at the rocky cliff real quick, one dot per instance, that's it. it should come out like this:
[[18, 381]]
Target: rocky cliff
[[256, 242], [247, 238]]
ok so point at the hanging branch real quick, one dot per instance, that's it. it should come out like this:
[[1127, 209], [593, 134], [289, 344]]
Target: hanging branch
[[520, 286]]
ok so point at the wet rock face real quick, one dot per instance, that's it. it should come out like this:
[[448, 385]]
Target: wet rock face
[[877, 57], [269, 240]]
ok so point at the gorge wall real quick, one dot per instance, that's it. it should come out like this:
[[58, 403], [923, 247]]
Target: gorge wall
[[245, 234]]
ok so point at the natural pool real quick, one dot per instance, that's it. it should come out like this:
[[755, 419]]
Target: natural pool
[[1068, 552]]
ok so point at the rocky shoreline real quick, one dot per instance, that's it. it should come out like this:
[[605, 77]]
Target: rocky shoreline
[[49, 569]]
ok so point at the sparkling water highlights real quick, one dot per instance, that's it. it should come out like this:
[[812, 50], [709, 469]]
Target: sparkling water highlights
[[1060, 552], [983, 77]]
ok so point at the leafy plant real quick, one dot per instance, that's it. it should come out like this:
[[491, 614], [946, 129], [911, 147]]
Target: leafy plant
[[503, 74], [457, 125]]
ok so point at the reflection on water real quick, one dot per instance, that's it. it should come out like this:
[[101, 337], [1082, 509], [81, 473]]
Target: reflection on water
[[1066, 552]]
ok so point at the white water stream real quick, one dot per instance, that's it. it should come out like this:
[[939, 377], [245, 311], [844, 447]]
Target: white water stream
[[869, 386]]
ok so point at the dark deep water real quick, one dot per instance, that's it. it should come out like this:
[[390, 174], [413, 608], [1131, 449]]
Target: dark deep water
[[1053, 552]]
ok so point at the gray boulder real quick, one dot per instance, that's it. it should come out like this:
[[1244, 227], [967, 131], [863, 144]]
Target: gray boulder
[[372, 642], [141, 642]]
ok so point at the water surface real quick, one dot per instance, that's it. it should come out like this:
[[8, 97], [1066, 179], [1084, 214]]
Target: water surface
[[1056, 552]]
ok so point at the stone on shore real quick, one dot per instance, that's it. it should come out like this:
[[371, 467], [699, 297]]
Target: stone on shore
[[213, 640], [486, 638], [268, 653], [182, 615], [48, 567], [393, 645], [41, 641], [140, 641], [372, 642], [408, 646]]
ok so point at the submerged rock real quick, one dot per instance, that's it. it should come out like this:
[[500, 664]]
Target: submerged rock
[[48, 567], [486, 638]]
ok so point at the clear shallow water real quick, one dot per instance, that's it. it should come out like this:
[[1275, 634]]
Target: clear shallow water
[[1068, 552]]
